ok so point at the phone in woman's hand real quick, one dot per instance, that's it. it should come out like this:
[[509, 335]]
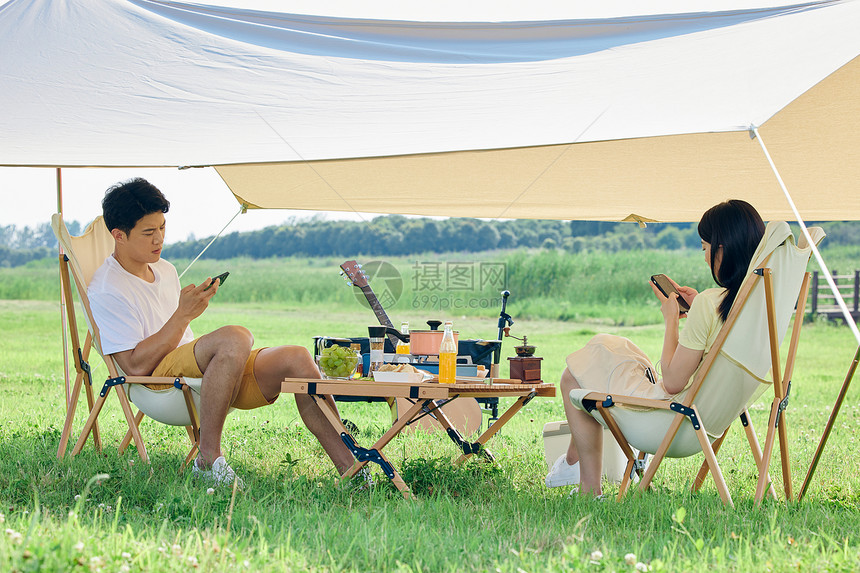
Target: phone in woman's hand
[[663, 283]]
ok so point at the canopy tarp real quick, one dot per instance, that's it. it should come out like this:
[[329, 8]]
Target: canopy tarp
[[607, 111]]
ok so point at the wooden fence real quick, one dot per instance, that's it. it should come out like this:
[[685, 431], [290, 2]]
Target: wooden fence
[[824, 303]]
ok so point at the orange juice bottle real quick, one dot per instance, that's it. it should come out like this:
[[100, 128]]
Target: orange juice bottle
[[448, 355], [402, 347]]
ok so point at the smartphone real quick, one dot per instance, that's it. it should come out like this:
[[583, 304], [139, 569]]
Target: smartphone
[[222, 276], [663, 283]]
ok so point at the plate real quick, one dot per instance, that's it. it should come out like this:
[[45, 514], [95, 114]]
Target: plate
[[407, 377]]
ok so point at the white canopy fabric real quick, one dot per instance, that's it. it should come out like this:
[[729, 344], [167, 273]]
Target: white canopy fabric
[[625, 109]]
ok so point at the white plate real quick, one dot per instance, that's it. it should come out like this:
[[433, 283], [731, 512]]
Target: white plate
[[408, 377]]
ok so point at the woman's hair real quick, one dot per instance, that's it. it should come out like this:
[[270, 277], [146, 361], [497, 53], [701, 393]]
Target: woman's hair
[[126, 203], [736, 227]]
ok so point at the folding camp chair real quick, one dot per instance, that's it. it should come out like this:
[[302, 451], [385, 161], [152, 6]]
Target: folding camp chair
[[176, 406], [733, 374]]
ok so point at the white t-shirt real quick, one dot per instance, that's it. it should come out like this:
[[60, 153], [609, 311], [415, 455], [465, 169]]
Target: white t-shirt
[[127, 309]]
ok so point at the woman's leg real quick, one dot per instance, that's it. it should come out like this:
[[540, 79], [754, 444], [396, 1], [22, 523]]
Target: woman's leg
[[586, 444]]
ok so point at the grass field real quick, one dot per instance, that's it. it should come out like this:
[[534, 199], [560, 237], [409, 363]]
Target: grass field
[[294, 516]]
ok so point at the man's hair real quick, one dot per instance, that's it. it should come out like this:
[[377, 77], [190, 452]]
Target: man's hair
[[128, 202]]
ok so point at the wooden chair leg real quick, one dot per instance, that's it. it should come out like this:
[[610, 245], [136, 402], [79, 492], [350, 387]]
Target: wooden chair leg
[[126, 441], [783, 452], [130, 419], [70, 416], [616, 432], [703, 471], [711, 460], [756, 450], [763, 476], [88, 425]]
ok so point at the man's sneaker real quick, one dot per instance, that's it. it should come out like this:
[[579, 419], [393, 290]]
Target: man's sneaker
[[220, 474], [562, 473]]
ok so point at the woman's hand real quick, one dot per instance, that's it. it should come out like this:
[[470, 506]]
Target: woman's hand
[[668, 304]]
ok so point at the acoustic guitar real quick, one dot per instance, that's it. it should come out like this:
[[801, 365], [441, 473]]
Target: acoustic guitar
[[464, 413]]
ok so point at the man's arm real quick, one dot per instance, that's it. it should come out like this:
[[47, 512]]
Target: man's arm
[[149, 352]]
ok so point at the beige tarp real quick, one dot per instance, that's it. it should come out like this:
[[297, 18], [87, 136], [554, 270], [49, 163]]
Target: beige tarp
[[814, 141]]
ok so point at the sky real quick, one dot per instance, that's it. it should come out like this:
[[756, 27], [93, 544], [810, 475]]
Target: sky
[[200, 202]]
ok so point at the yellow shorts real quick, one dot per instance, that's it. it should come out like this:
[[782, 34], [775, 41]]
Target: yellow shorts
[[181, 362]]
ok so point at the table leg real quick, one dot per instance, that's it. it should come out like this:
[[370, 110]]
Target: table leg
[[374, 453], [503, 419]]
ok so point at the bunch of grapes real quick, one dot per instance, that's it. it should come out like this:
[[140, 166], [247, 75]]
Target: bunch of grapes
[[338, 361]]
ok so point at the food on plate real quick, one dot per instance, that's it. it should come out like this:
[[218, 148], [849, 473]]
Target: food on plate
[[400, 368]]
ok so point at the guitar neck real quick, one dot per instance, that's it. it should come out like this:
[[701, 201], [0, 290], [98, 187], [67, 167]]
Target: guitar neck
[[380, 313]]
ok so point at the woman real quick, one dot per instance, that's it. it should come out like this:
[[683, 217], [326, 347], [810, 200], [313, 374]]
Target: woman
[[730, 233]]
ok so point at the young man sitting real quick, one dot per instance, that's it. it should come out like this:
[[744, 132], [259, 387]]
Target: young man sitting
[[143, 317]]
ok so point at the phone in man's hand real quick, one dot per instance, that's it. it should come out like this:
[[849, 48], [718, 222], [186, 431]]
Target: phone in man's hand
[[222, 277], [663, 283]]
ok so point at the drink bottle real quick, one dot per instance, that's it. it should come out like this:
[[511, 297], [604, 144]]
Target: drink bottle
[[448, 355]]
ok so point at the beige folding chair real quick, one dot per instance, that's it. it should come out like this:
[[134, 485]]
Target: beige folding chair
[[176, 406], [733, 374]]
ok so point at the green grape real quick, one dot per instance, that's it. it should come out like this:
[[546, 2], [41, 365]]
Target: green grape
[[338, 361]]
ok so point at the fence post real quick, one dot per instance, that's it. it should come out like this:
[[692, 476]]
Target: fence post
[[856, 291], [814, 292]]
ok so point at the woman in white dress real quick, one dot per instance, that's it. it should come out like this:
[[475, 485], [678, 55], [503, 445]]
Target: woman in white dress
[[730, 233]]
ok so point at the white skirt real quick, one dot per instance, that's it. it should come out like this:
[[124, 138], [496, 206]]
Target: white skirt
[[613, 364]]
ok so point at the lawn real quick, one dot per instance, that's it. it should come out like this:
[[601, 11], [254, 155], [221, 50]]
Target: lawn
[[105, 512]]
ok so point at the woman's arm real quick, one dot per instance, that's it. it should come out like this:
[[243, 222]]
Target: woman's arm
[[678, 362]]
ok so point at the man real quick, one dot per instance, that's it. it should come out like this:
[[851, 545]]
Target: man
[[143, 317]]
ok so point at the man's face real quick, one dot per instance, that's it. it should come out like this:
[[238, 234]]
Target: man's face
[[144, 242]]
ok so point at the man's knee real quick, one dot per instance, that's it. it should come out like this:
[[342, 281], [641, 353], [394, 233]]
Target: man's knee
[[231, 341]]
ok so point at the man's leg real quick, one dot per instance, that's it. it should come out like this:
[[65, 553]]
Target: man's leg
[[221, 356], [275, 364], [586, 443]]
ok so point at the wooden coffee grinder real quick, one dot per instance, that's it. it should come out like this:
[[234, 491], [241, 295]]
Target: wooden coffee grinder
[[525, 366]]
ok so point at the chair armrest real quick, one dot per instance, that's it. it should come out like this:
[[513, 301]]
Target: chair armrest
[[578, 396], [152, 379]]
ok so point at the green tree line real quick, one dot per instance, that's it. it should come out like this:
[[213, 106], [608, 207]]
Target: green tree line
[[397, 235]]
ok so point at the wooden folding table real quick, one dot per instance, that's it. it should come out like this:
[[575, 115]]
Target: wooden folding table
[[426, 399]]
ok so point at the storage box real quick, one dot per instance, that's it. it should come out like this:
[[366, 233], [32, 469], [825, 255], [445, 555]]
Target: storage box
[[556, 439]]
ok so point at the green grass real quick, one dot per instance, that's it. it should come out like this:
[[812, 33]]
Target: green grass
[[480, 517], [588, 287]]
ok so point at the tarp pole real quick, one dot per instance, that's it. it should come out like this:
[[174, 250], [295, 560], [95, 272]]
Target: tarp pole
[[242, 209], [63, 325], [849, 320]]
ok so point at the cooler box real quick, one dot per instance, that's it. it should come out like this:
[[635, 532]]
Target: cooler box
[[556, 439]]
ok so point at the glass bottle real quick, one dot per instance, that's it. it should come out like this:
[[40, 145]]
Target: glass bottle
[[448, 355], [377, 345], [402, 347]]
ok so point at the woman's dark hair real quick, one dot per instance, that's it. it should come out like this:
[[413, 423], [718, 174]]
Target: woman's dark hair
[[736, 227], [128, 202]]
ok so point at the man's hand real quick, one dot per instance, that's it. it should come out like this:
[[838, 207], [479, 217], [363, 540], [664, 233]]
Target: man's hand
[[193, 299]]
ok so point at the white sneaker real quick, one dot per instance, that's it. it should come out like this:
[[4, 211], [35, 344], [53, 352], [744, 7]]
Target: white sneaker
[[220, 474], [562, 473]]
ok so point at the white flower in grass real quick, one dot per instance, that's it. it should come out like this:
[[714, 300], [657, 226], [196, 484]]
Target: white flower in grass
[[124, 568], [77, 497], [193, 561], [642, 567], [96, 563], [14, 536], [630, 559], [79, 546], [210, 491], [125, 555], [596, 555], [177, 549]]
